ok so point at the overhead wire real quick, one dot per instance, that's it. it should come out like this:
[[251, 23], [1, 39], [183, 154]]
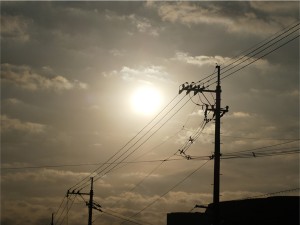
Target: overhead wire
[[265, 41], [272, 193], [122, 217], [105, 173], [253, 59], [125, 157], [67, 211], [259, 57], [264, 147], [169, 190], [256, 152], [249, 55], [146, 140], [254, 50], [159, 165], [119, 151]]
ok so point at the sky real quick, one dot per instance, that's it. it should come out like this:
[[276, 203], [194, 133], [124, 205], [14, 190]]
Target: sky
[[87, 83]]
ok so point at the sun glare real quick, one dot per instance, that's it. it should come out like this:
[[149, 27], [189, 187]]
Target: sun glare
[[146, 100]]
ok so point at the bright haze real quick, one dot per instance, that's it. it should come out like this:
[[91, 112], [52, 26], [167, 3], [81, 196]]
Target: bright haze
[[83, 83]]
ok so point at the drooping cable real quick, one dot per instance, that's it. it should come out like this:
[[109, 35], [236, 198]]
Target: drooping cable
[[85, 180]]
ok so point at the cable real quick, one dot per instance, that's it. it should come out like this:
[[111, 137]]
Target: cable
[[143, 142], [273, 193], [260, 57], [268, 146], [172, 188], [284, 31], [259, 155], [76, 165], [68, 209], [159, 165], [123, 218], [137, 146], [261, 47], [58, 211], [129, 142]]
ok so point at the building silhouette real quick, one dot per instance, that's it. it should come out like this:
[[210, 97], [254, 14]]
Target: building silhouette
[[280, 210]]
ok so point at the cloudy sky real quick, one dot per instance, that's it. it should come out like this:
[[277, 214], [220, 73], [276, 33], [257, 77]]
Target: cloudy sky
[[82, 83]]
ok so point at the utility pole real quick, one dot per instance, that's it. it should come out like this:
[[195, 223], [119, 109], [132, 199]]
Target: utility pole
[[218, 113], [52, 222], [91, 205], [216, 195]]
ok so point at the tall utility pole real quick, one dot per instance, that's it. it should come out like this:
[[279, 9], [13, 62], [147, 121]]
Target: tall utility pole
[[216, 195], [52, 222], [218, 113], [90, 204]]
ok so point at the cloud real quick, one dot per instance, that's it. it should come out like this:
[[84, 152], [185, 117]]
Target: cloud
[[116, 52], [144, 25], [232, 18], [27, 78], [14, 27], [141, 24], [278, 7], [9, 124], [241, 114], [13, 101], [235, 63], [200, 60], [142, 74]]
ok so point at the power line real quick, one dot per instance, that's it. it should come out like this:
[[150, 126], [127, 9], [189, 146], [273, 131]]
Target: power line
[[146, 139], [117, 215], [259, 58], [273, 193], [209, 78], [172, 188], [252, 49], [263, 147], [67, 211], [122, 160], [84, 164], [82, 181]]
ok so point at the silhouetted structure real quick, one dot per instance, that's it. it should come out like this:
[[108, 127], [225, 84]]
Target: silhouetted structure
[[263, 211]]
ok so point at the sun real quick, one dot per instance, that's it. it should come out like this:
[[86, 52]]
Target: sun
[[146, 100]]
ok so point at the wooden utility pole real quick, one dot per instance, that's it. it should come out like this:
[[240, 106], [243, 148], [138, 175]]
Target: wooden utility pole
[[216, 195], [218, 113], [52, 222], [90, 204]]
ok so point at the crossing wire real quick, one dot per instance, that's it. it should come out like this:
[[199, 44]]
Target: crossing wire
[[249, 55], [85, 180], [169, 190], [254, 60], [142, 142], [67, 211], [272, 193], [150, 136], [162, 161], [122, 160], [122, 217], [261, 151]]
